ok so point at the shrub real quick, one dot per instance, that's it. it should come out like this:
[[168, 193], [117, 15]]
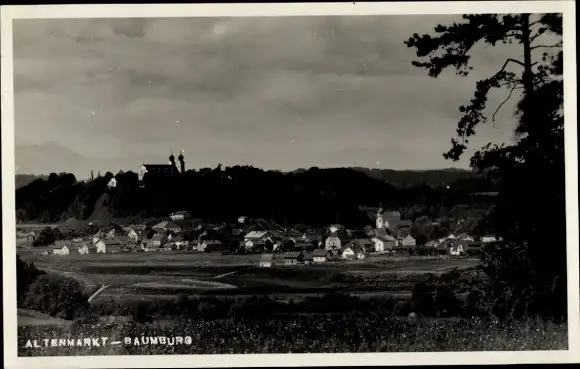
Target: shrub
[[56, 296]]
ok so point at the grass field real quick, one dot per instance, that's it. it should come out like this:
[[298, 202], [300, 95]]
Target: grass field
[[160, 275]]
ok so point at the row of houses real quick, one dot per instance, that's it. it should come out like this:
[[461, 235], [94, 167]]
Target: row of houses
[[311, 257]]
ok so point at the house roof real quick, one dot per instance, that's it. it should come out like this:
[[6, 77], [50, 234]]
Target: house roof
[[178, 239], [213, 242], [113, 242], [292, 255], [157, 237], [124, 239], [431, 244], [319, 252], [361, 242], [266, 257], [354, 248], [256, 234], [161, 168], [166, 225], [181, 212]]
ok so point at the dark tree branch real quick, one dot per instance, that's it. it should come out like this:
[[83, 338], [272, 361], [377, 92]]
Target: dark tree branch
[[559, 44], [515, 86]]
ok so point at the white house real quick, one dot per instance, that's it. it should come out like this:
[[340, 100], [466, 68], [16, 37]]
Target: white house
[[108, 246], [320, 256], [83, 249], [133, 234], [457, 250], [488, 239], [266, 261], [112, 183], [255, 237], [61, 250], [168, 226], [347, 253], [383, 241], [179, 215], [409, 241]]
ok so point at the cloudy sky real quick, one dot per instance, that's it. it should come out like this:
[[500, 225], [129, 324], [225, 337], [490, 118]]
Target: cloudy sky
[[273, 92]]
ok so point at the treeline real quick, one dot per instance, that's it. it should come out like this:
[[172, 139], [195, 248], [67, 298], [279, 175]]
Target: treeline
[[314, 196]]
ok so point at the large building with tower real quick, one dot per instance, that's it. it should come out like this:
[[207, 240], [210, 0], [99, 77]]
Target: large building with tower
[[164, 169]]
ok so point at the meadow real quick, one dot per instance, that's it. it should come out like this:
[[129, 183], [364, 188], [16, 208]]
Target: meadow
[[309, 334], [163, 275]]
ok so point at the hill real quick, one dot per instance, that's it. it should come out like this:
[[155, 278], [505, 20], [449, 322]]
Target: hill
[[314, 196], [22, 180]]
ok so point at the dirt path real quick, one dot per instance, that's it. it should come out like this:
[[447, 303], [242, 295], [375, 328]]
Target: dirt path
[[81, 278]]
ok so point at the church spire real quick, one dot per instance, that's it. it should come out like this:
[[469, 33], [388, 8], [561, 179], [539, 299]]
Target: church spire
[[172, 159], [181, 161]]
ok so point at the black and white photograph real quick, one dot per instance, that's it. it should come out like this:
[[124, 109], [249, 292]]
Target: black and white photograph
[[239, 179]]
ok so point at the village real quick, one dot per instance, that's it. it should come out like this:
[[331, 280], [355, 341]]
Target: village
[[389, 236]]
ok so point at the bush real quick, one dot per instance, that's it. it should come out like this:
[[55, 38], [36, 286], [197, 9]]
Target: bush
[[56, 296], [422, 301]]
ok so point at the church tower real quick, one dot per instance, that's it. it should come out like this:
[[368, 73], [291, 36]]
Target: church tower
[[380, 222], [181, 162], [172, 160]]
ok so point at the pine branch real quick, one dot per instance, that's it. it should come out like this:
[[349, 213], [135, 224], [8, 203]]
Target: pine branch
[[515, 86], [559, 44]]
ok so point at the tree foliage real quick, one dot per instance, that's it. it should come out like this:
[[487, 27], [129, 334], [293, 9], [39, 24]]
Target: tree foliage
[[56, 296], [223, 194], [529, 214]]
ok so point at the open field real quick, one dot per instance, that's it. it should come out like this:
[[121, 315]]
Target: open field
[[163, 275], [307, 334], [32, 318]]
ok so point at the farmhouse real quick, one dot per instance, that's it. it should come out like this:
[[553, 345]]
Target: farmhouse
[[409, 241], [457, 249], [211, 246], [320, 256], [362, 243], [180, 215], [31, 236], [293, 258], [267, 260], [383, 241], [108, 246], [180, 242], [255, 238], [302, 245], [488, 239], [60, 250], [133, 234], [351, 252], [167, 226], [156, 240], [83, 249]]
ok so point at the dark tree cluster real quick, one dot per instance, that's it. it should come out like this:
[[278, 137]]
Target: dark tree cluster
[[316, 197], [529, 211]]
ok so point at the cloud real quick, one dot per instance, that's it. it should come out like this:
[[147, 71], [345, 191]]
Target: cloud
[[342, 88]]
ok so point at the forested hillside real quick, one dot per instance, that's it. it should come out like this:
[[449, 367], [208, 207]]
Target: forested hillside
[[314, 196]]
